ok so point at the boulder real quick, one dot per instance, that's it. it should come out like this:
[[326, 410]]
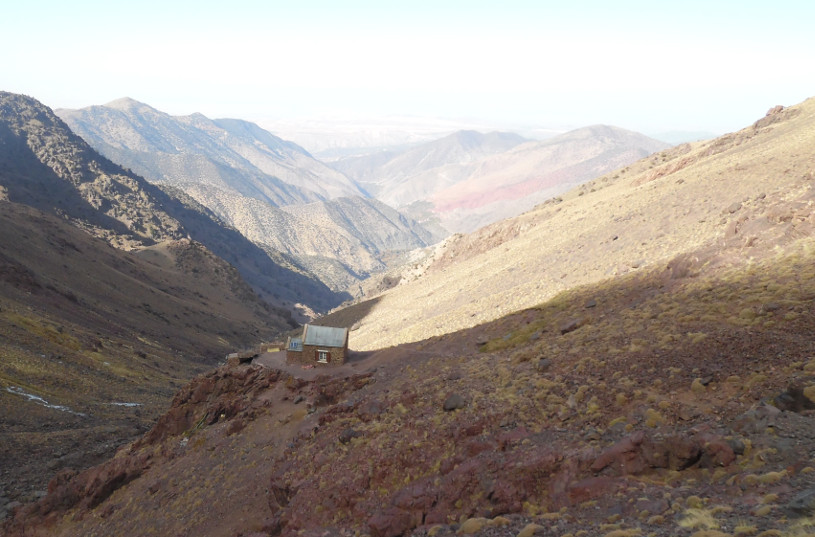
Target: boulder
[[348, 434], [472, 525], [640, 452], [570, 326], [591, 488], [530, 530], [793, 399], [802, 504], [454, 402], [391, 522]]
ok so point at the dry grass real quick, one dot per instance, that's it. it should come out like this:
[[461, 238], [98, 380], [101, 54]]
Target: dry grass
[[524, 261]]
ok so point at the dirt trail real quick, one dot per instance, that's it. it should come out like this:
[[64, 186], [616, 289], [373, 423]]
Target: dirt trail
[[358, 362]]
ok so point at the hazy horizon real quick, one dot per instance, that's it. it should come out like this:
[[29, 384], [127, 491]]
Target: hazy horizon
[[636, 65]]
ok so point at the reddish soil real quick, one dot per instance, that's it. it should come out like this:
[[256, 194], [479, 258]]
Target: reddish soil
[[582, 415]]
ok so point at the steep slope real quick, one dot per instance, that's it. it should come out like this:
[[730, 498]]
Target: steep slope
[[340, 241], [646, 418], [94, 340], [83, 324], [741, 191], [229, 154], [245, 175], [47, 166]]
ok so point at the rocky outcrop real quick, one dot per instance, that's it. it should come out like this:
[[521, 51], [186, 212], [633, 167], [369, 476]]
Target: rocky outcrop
[[225, 394], [641, 452], [504, 474]]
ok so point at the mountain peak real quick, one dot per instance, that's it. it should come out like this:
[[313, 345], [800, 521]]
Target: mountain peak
[[125, 103]]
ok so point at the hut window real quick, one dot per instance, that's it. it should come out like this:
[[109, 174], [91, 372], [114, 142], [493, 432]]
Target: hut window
[[323, 356]]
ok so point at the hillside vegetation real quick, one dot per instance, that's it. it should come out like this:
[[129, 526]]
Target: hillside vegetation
[[94, 341], [732, 200], [668, 394]]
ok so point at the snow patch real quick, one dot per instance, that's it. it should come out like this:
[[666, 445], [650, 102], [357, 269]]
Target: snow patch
[[39, 400]]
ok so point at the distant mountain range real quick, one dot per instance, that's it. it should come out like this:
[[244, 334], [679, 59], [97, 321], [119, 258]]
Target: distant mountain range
[[708, 204], [400, 178], [254, 181], [467, 180], [229, 154], [50, 168]]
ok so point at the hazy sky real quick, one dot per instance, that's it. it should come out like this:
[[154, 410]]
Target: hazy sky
[[649, 66]]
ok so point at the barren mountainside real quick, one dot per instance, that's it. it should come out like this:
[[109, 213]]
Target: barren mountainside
[[47, 166], [401, 177], [468, 179], [734, 196], [506, 184], [94, 340], [632, 358], [105, 295], [340, 241], [247, 177], [227, 153], [674, 395]]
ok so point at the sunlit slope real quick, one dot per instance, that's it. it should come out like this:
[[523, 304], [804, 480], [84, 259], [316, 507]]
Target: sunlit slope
[[734, 198]]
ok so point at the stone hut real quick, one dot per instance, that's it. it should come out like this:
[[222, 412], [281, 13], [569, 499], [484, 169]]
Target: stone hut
[[319, 345]]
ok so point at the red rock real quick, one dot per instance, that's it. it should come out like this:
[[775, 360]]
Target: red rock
[[591, 488], [624, 456], [571, 326], [717, 452], [392, 522], [678, 452]]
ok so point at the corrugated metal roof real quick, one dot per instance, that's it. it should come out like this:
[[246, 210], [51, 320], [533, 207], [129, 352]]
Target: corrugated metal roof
[[324, 336]]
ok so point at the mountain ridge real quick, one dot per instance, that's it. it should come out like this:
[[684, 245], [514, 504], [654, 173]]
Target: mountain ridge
[[384, 179], [595, 232], [467, 179], [631, 357], [278, 172], [260, 185], [122, 207]]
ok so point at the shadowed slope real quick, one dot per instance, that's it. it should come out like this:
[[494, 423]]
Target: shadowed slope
[[270, 190], [634, 401], [94, 340], [47, 166]]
